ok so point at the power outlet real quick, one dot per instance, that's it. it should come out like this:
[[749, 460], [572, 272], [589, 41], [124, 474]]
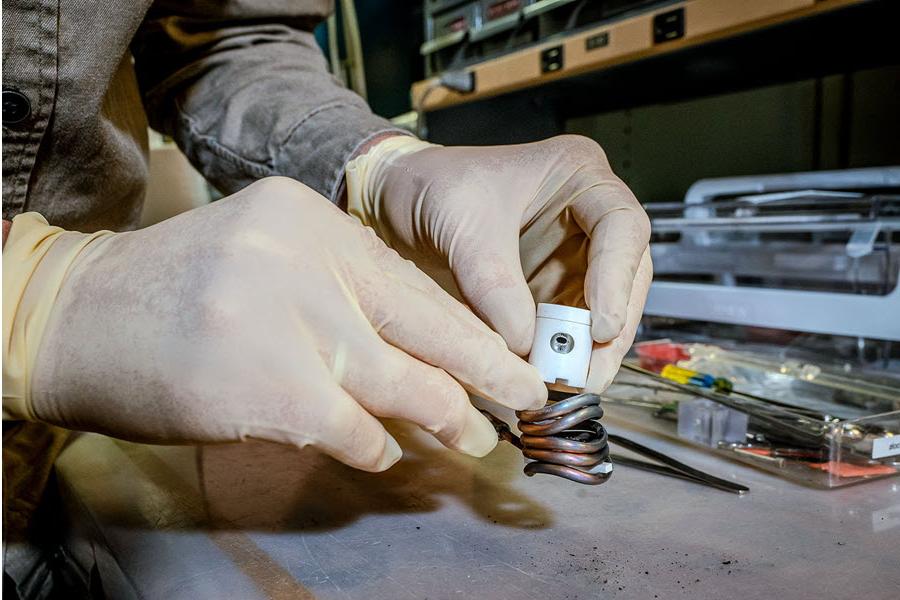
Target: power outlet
[[668, 26], [552, 59]]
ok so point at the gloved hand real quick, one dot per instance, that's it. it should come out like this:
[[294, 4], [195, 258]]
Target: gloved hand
[[269, 314], [550, 216]]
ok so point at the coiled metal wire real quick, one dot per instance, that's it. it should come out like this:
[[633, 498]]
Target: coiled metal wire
[[565, 439]]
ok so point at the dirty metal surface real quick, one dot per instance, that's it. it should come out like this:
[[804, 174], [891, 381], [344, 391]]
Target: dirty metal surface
[[264, 521]]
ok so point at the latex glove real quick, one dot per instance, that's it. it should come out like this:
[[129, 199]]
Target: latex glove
[[270, 314], [547, 221]]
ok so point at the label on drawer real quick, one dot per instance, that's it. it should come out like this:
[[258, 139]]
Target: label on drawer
[[886, 446]]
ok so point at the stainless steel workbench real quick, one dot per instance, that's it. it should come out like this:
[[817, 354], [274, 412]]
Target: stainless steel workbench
[[264, 521]]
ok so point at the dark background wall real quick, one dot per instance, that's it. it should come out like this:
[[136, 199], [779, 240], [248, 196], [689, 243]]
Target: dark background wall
[[391, 32], [850, 120]]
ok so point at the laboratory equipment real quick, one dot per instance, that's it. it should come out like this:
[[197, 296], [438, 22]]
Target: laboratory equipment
[[786, 287], [814, 252], [824, 434]]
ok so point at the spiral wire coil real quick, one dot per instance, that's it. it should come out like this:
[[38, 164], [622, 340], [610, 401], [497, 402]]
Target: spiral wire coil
[[565, 439]]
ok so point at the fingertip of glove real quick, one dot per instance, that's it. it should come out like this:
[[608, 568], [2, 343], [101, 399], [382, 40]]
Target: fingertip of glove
[[478, 437], [517, 332], [519, 342], [599, 379], [606, 327], [534, 394], [390, 455]]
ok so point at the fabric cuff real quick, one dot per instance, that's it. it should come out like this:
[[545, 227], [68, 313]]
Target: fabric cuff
[[320, 146]]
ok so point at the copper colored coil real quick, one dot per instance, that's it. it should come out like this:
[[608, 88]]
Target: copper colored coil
[[565, 472], [564, 439], [584, 461], [560, 408], [580, 443], [558, 425], [560, 449]]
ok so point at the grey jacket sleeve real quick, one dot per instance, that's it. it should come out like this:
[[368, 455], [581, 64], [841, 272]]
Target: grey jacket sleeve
[[244, 90]]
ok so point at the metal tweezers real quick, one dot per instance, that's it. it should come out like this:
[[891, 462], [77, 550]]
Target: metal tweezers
[[669, 466]]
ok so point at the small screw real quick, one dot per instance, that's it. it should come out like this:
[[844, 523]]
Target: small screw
[[562, 343]]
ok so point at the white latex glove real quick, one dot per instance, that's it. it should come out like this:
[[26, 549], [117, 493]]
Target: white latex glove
[[550, 216], [269, 314]]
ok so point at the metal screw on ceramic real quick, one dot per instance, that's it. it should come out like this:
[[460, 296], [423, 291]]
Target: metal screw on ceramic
[[562, 343]]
